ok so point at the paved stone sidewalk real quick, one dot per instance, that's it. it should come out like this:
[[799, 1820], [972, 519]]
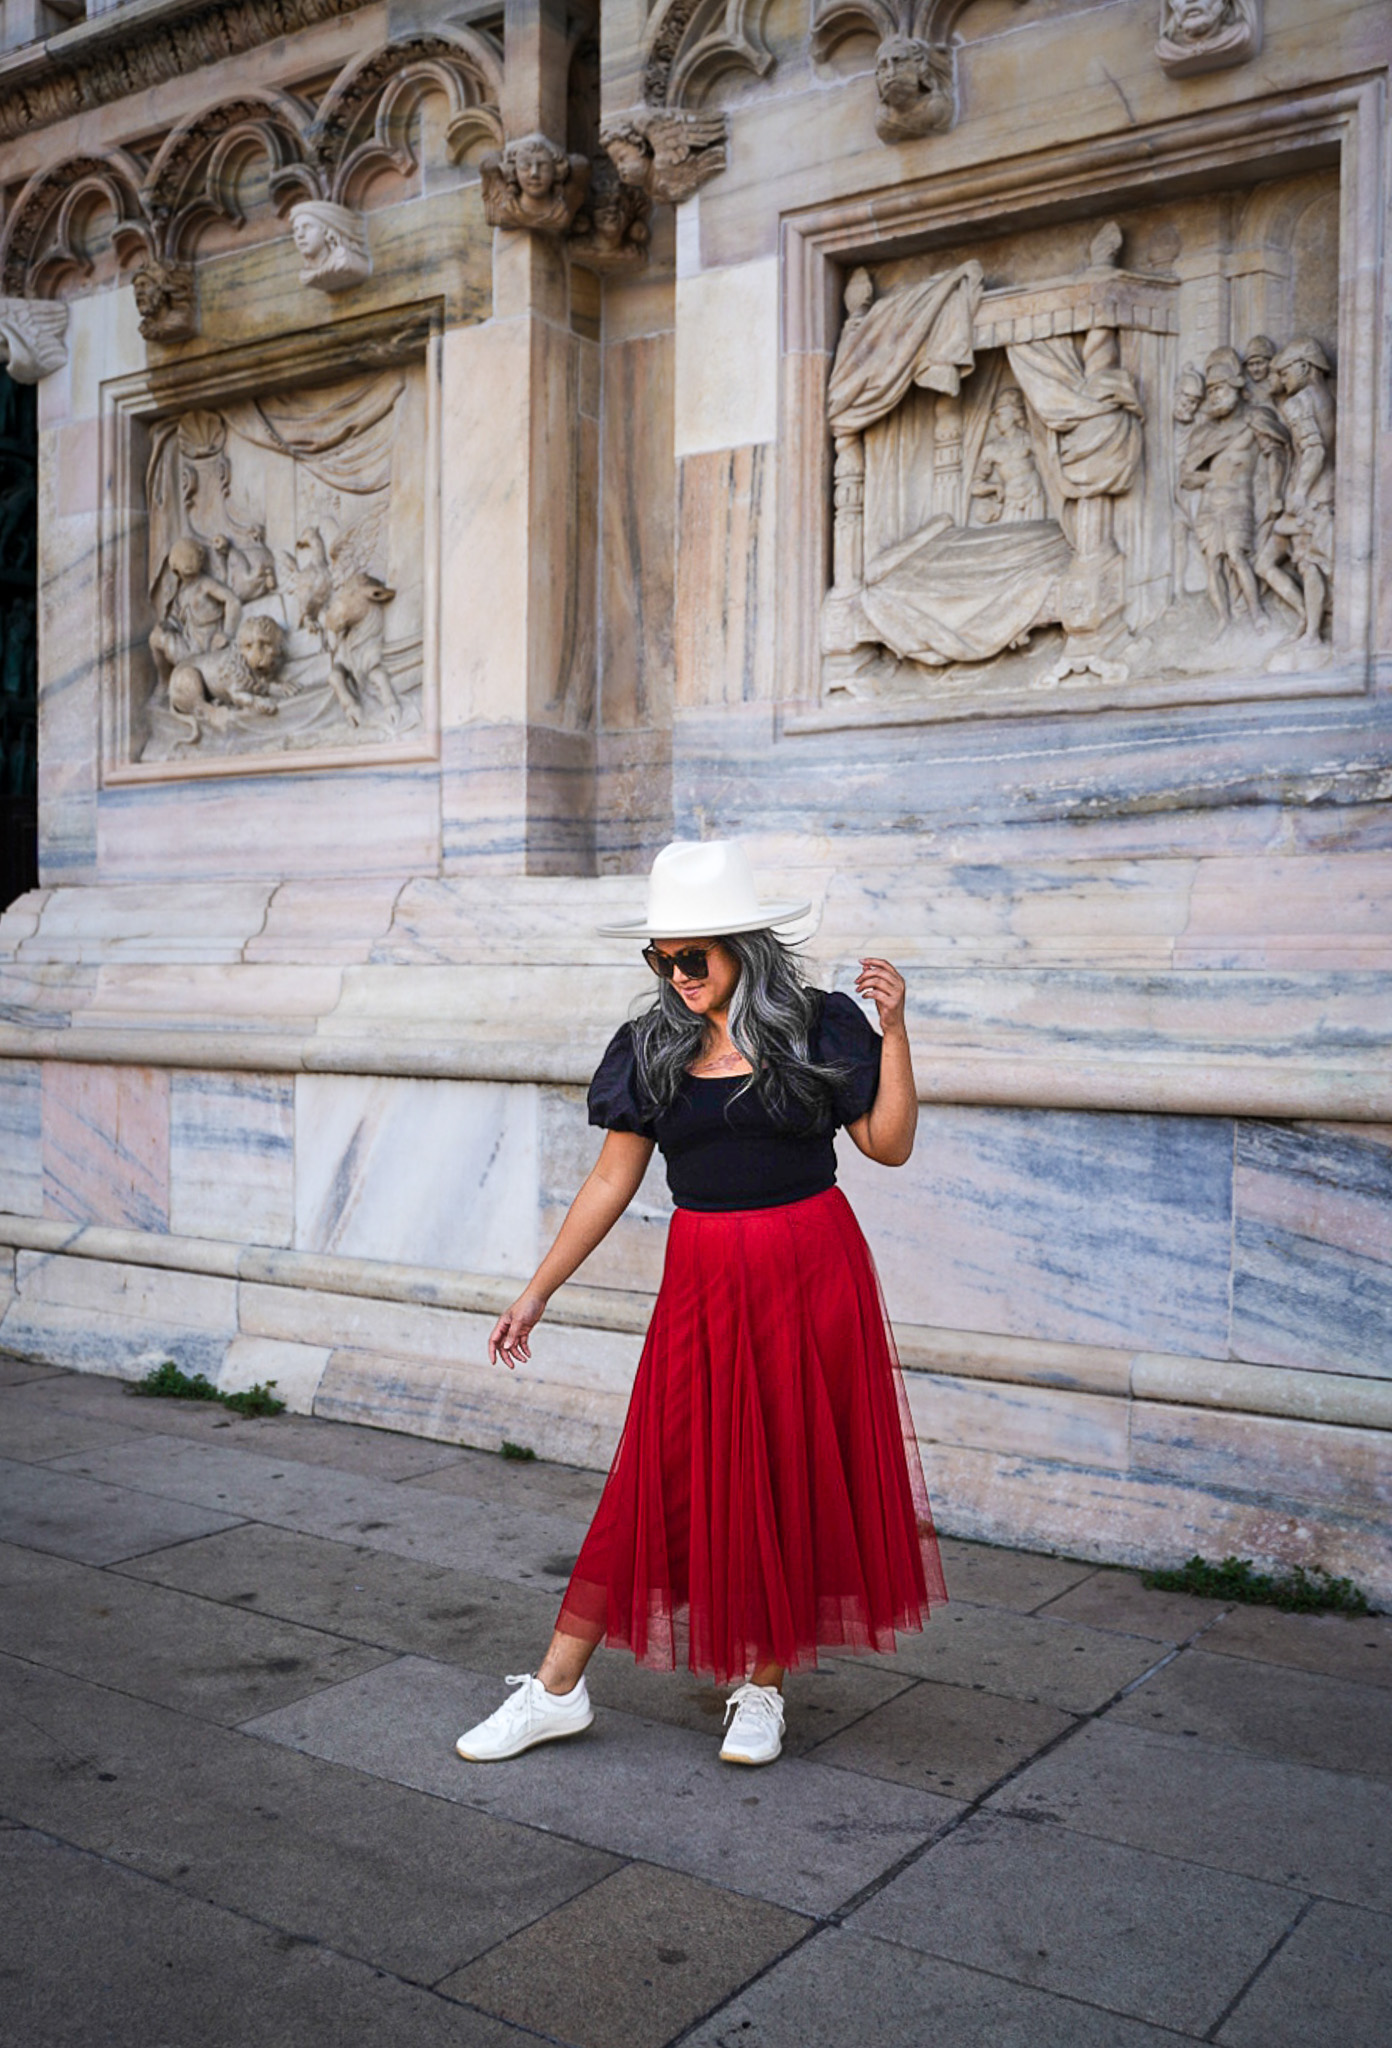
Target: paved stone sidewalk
[[236, 1656]]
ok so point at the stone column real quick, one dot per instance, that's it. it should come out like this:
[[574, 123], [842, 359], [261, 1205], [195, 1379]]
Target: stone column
[[521, 427]]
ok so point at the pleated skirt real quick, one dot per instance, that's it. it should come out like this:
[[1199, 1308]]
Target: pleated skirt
[[766, 1499]]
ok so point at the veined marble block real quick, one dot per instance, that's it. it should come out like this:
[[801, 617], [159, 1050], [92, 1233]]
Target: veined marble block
[[21, 1143], [232, 1157], [439, 1173], [100, 1316], [106, 1144]]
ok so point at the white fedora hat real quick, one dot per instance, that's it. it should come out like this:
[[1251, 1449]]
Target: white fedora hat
[[699, 889]]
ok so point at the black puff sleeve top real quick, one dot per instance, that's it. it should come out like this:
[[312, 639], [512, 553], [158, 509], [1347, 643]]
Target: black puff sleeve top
[[724, 1150]]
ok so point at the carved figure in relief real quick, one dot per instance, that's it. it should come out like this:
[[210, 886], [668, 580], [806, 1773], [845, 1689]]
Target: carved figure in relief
[[202, 614], [1300, 379], [1256, 366], [332, 243], [531, 183], [667, 154], [1220, 464], [913, 87], [246, 565], [167, 298], [355, 630], [611, 229], [1008, 487], [1207, 35], [228, 678], [309, 579]]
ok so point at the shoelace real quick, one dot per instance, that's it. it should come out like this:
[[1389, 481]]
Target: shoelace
[[523, 1701], [756, 1699]]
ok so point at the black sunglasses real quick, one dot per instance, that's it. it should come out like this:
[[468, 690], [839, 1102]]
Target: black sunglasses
[[691, 960]]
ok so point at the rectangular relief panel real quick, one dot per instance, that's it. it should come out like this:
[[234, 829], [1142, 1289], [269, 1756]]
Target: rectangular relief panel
[[270, 578], [1116, 458]]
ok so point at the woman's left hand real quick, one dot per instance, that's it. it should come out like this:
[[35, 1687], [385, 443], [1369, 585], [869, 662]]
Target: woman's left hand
[[884, 984]]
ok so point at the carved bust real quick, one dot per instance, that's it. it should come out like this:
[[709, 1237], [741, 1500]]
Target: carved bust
[[167, 300], [668, 155], [332, 241], [913, 83], [532, 183], [1207, 35]]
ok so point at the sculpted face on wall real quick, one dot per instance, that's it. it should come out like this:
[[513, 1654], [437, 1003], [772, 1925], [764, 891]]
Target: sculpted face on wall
[[1208, 35], [1033, 492], [332, 245], [283, 572], [913, 85], [533, 183]]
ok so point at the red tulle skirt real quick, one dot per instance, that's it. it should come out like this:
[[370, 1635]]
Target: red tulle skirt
[[766, 1498]]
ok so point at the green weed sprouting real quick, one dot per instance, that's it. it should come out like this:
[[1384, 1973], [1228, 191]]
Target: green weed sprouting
[[170, 1380], [1237, 1578], [523, 1454]]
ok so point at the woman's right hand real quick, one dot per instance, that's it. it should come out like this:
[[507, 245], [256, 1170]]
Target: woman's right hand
[[508, 1339]]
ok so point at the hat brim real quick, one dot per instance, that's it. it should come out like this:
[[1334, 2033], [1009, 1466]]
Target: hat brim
[[768, 914]]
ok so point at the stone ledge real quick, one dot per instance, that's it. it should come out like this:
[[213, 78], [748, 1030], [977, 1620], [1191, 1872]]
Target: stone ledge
[[1335, 1399]]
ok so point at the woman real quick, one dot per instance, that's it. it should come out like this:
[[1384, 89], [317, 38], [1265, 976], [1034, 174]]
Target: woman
[[766, 1490]]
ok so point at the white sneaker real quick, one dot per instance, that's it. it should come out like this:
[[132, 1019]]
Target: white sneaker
[[756, 1734], [532, 1715]]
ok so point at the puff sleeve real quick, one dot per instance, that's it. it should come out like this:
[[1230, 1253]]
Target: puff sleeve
[[846, 1038], [615, 1101]]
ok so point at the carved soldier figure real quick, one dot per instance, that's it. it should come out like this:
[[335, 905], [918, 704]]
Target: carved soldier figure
[[1256, 365], [202, 614], [533, 184], [1299, 378], [332, 241], [1008, 486], [913, 83], [1220, 462]]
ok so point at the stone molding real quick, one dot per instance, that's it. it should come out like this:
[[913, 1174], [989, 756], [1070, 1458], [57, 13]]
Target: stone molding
[[1346, 1400], [33, 338], [690, 43], [325, 155], [110, 57]]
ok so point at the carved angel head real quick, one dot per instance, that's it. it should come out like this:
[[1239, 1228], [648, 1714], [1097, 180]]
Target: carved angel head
[[536, 165]]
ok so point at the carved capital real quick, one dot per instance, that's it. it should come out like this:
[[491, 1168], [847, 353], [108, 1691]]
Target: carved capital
[[532, 183], [332, 241], [913, 88], [1207, 35], [168, 300], [668, 155], [33, 338], [612, 229]]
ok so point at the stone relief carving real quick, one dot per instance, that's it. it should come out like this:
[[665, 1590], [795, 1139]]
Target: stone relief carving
[[1033, 491], [667, 156], [33, 338], [332, 242], [915, 79], [690, 43], [613, 227], [1207, 35], [167, 298], [533, 183], [271, 523]]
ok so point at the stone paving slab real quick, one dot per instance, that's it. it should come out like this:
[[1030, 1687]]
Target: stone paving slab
[[987, 1576], [123, 1962], [1118, 1600], [1331, 1983], [1330, 1722], [412, 1884], [944, 1738], [519, 1484], [215, 1662], [1334, 1645], [33, 1432], [1314, 1830], [842, 1990], [1140, 1934], [801, 1835], [346, 1506], [1061, 1664], [19, 1372], [387, 1454], [635, 1960], [69, 1516]]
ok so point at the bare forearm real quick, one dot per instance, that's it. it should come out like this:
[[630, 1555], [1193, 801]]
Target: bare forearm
[[591, 1216], [893, 1118]]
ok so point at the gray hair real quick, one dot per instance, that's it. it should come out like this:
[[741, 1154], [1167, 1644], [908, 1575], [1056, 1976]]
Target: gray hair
[[772, 1013]]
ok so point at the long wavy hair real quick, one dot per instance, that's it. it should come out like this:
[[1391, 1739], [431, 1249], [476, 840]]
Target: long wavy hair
[[772, 1013]]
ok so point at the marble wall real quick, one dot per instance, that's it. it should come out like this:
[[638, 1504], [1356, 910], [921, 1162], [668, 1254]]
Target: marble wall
[[292, 1059]]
